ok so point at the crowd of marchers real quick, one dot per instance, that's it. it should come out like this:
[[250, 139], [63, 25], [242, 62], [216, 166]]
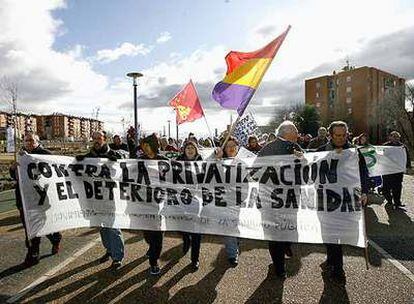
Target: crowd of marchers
[[285, 140]]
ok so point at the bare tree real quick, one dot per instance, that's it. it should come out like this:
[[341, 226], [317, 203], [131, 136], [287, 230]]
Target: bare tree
[[398, 112], [9, 91]]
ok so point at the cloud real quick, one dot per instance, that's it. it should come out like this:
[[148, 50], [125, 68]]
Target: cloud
[[125, 49], [43, 75], [265, 30], [164, 37]]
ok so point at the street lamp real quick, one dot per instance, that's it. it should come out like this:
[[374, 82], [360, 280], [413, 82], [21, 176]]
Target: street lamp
[[134, 76]]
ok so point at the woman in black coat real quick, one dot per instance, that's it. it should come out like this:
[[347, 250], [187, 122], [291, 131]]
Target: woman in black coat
[[190, 153]]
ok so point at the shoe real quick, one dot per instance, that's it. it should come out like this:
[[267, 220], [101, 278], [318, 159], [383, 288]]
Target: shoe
[[116, 265], [195, 265], [281, 274], [30, 261], [233, 262], [55, 248], [155, 270], [104, 258]]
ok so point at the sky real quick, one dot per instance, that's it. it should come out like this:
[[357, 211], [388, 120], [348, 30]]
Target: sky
[[72, 56]]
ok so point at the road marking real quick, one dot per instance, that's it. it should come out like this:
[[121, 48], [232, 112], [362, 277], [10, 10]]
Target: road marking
[[7, 212], [393, 261], [53, 271]]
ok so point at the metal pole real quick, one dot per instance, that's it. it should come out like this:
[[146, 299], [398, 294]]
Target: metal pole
[[177, 133], [135, 110], [169, 128], [134, 76]]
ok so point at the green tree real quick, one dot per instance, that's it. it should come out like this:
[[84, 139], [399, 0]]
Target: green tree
[[304, 116], [308, 120]]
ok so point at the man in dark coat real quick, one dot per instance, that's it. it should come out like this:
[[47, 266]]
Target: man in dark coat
[[392, 183], [111, 237], [32, 146], [285, 143], [338, 131]]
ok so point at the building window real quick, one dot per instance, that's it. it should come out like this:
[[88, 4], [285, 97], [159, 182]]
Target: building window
[[317, 94], [318, 104], [349, 110], [348, 78], [348, 89], [318, 85], [348, 100]]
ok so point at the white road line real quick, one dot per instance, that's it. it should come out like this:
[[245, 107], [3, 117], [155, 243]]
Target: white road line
[[393, 261], [53, 271], [7, 212]]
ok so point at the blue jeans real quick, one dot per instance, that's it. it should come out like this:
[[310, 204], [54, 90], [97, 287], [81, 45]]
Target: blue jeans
[[113, 242], [231, 244]]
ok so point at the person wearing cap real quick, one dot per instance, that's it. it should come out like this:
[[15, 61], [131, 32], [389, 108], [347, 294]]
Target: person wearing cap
[[154, 238]]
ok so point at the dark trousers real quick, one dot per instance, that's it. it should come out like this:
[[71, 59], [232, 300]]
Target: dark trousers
[[334, 256], [154, 240], [392, 187], [277, 252], [34, 244], [194, 239]]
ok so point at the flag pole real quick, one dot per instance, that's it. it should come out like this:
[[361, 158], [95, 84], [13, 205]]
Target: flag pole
[[233, 126], [204, 115], [176, 129], [209, 131]]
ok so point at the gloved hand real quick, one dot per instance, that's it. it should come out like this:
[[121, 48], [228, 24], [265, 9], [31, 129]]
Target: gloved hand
[[112, 158]]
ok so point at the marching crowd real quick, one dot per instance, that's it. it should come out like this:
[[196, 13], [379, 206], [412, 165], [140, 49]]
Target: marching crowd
[[286, 140]]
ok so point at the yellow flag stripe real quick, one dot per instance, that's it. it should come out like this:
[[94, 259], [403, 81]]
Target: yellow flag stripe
[[249, 74]]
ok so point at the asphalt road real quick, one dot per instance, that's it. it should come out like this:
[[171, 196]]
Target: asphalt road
[[84, 280]]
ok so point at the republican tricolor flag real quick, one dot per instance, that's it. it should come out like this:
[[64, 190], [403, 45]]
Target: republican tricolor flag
[[187, 104], [244, 74]]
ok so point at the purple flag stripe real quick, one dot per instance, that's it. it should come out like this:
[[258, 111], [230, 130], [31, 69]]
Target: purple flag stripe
[[233, 96]]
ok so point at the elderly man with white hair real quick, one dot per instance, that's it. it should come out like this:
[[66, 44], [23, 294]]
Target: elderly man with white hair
[[320, 140], [285, 143]]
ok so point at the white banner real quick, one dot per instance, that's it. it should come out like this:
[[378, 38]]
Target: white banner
[[313, 199], [383, 160]]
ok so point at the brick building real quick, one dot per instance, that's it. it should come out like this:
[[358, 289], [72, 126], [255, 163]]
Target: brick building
[[24, 123], [355, 95]]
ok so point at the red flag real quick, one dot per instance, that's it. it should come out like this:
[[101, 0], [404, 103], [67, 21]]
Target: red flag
[[187, 104]]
